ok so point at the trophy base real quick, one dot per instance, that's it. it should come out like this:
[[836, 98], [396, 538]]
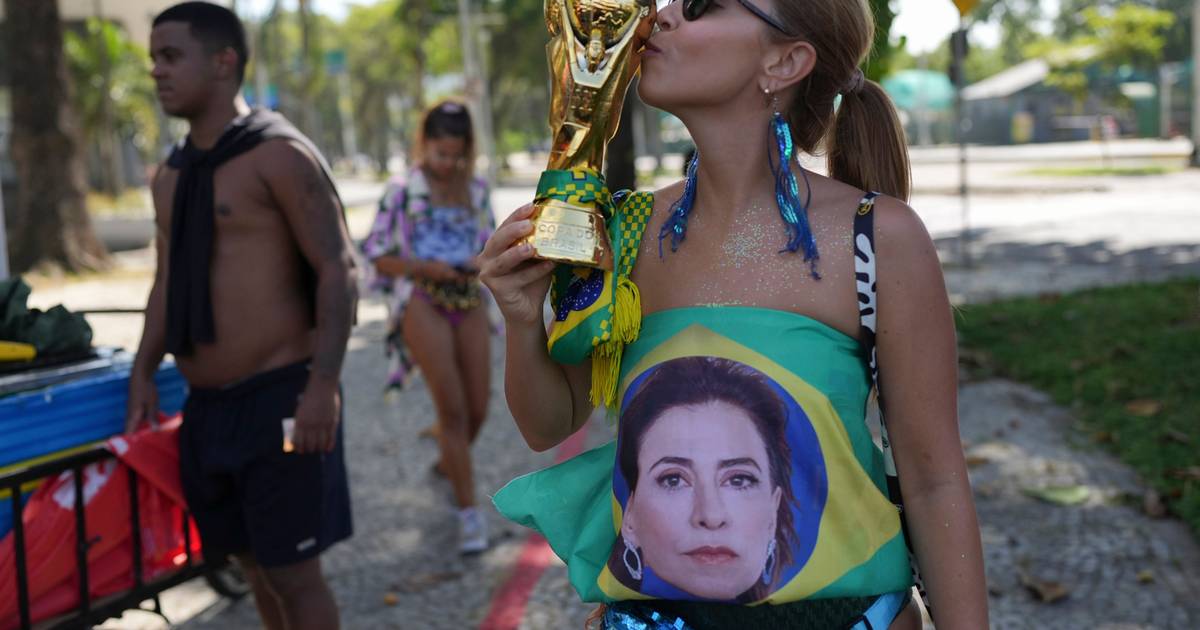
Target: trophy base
[[570, 233]]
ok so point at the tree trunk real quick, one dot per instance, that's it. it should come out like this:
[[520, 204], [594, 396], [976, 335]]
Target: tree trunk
[[620, 173], [652, 125], [307, 108], [272, 53], [49, 218], [1196, 84], [418, 14]]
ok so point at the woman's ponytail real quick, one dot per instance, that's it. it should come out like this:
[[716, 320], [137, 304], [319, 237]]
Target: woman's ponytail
[[866, 146], [863, 138]]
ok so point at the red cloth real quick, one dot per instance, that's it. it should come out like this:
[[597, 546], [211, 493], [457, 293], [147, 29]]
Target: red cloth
[[49, 523]]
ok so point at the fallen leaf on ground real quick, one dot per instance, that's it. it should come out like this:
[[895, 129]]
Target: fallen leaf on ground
[[1044, 591], [421, 582], [1190, 473], [1144, 408], [974, 358], [1103, 437], [974, 461], [1175, 435], [1122, 351], [390, 599], [1060, 495], [1145, 576], [1152, 504]]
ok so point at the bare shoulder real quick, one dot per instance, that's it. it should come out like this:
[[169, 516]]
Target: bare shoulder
[[162, 189], [833, 201], [905, 249], [898, 226], [286, 159], [160, 181], [666, 196]]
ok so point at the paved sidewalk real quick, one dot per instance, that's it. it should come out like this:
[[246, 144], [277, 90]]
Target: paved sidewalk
[[1117, 568], [404, 544], [401, 569], [1114, 567], [1100, 552]]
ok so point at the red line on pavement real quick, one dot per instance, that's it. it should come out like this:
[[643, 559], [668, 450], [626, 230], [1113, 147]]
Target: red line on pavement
[[508, 603], [571, 447]]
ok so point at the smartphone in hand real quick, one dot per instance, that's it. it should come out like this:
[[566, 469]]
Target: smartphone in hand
[[289, 431]]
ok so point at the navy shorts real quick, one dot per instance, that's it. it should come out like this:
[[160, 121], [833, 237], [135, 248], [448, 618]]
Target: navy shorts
[[246, 494]]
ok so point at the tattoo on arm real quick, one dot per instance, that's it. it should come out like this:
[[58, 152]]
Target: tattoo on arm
[[318, 226]]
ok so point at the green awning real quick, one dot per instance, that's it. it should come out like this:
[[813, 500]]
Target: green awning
[[912, 88]]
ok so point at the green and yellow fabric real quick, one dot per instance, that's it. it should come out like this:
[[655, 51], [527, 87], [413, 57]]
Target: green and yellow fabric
[[597, 312], [846, 534], [849, 538]]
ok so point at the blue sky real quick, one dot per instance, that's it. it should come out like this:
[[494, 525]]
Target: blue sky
[[928, 22]]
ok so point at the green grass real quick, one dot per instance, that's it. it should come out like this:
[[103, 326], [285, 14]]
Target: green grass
[[1126, 360], [1101, 171]]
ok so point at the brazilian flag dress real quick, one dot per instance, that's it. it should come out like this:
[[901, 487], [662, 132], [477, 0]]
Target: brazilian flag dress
[[701, 500]]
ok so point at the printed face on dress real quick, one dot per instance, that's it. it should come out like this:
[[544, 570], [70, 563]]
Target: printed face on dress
[[445, 156], [704, 511], [185, 71]]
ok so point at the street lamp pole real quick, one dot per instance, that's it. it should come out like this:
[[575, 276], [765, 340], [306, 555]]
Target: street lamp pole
[[1196, 83], [1166, 76], [477, 87], [959, 50], [3, 235]]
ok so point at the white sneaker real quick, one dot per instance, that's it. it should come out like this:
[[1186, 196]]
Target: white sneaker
[[472, 531]]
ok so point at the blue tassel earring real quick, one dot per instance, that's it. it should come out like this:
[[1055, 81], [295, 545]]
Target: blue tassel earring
[[787, 193], [676, 223]]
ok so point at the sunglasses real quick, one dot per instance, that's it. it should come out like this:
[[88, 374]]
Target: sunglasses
[[693, 9]]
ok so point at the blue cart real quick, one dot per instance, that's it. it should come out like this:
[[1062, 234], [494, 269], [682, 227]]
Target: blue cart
[[56, 419]]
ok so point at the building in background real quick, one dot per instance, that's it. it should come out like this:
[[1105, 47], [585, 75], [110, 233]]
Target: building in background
[[1018, 106]]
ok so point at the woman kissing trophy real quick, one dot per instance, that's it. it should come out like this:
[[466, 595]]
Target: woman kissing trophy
[[593, 55]]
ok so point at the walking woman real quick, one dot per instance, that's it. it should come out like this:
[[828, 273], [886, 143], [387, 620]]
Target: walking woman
[[818, 289], [424, 245]]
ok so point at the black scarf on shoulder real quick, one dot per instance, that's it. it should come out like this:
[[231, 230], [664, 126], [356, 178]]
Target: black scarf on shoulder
[[189, 294]]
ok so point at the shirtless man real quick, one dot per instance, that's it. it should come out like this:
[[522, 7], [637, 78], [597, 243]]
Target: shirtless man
[[254, 295]]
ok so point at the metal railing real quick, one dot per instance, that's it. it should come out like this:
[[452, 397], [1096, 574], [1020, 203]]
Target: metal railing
[[91, 611]]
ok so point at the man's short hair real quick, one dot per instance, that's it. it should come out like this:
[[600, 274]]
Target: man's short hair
[[215, 26]]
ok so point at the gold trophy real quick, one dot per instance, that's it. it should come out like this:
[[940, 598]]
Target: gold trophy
[[593, 54]]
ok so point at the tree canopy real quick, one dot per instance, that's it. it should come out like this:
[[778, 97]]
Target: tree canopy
[[1112, 42]]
